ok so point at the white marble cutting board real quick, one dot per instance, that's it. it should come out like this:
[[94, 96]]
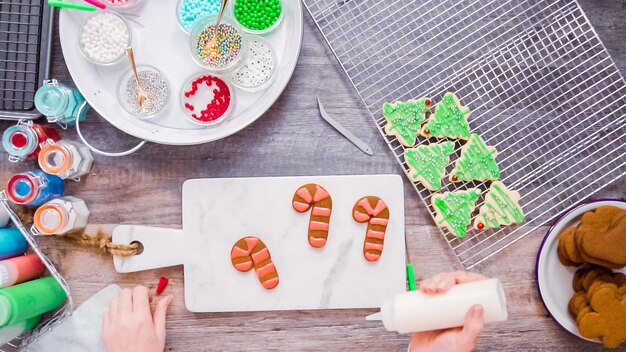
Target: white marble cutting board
[[218, 212]]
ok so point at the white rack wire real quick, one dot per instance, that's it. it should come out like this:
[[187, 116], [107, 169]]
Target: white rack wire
[[541, 85], [49, 320]]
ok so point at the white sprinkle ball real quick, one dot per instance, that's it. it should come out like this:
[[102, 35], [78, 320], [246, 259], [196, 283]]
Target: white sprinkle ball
[[105, 38]]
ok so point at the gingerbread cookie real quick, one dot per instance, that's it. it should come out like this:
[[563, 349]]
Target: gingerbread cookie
[[477, 162], [449, 120], [607, 321], [427, 163], [601, 237], [250, 252], [317, 197], [404, 119], [454, 210], [567, 250], [501, 208], [373, 211]]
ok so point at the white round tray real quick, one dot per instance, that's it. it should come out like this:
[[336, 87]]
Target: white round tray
[[553, 278], [158, 41]]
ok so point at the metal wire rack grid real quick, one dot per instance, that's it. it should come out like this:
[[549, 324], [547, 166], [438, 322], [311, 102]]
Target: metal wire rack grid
[[50, 320], [24, 55], [541, 85]]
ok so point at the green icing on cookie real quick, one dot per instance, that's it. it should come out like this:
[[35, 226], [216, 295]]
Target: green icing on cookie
[[404, 119], [449, 119], [428, 163], [454, 210], [477, 162], [501, 208]]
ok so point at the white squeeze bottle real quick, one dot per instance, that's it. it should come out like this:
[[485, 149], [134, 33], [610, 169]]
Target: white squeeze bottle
[[416, 311]]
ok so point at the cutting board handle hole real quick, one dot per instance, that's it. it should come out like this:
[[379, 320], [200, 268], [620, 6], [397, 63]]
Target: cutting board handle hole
[[139, 247]]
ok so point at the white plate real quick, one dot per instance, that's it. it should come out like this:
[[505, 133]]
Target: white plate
[[553, 278], [158, 41]]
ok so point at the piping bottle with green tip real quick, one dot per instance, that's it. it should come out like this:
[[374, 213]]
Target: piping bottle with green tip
[[60, 103], [30, 299], [415, 311]]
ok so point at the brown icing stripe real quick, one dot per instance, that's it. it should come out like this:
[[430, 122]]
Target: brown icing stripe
[[250, 252]]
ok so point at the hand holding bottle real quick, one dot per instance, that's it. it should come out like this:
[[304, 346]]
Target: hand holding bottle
[[461, 339]]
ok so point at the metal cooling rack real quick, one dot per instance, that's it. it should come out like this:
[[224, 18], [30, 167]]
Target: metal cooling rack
[[25, 34], [49, 320], [541, 85]]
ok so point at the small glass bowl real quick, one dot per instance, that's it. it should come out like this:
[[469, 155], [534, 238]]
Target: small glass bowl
[[184, 101], [265, 31], [129, 5], [122, 87], [82, 46], [179, 9], [203, 24], [250, 60]]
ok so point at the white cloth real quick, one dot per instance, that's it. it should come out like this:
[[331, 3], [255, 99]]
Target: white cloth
[[82, 332]]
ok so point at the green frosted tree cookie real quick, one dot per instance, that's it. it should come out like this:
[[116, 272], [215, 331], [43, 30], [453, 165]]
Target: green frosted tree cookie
[[454, 210], [449, 120], [427, 163], [501, 208], [404, 119], [477, 162]]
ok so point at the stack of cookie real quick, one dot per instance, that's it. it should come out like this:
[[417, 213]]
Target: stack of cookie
[[599, 239], [598, 243], [427, 163], [599, 305]]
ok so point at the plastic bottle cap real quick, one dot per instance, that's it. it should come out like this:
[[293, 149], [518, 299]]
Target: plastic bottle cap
[[49, 219], [5, 276], [51, 100], [5, 311], [21, 189], [55, 159], [20, 140]]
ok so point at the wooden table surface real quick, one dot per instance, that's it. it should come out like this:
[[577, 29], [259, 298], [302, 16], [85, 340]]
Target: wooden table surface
[[291, 139]]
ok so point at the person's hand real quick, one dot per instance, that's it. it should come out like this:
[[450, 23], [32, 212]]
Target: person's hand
[[130, 326], [462, 339]]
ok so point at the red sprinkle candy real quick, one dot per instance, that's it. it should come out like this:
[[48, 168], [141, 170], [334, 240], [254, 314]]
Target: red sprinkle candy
[[217, 107], [455, 178], [480, 226], [163, 281], [426, 131]]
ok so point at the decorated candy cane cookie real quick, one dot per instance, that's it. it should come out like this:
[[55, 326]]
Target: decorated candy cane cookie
[[316, 197], [250, 252], [375, 213]]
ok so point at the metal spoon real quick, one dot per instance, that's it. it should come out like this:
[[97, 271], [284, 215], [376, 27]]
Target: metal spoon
[[211, 47], [142, 96]]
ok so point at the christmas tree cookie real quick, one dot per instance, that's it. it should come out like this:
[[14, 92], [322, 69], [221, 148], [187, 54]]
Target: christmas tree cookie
[[477, 162], [427, 163], [501, 208], [454, 210], [404, 119], [449, 120]]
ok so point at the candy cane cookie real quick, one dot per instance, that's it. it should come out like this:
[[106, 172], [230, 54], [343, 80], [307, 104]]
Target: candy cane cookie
[[375, 213], [316, 197], [250, 252]]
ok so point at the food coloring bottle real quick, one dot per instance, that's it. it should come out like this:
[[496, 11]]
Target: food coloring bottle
[[20, 269], [60, 103], [34, 188], [22, 141], [30, 299], [60, 216], [12, 243], [68, 160], [415, 311], [8, 333]]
